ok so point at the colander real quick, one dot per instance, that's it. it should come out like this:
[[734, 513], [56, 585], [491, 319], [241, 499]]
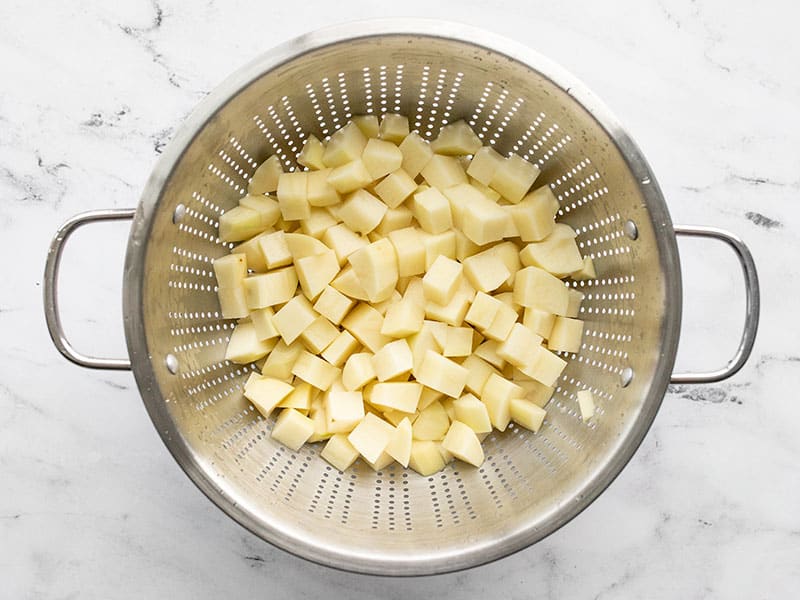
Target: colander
[[395, 521]]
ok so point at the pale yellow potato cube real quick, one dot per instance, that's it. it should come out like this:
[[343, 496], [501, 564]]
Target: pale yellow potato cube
[[343, 241], [420, 343], [375, 266], [535, 215], [453, 312], [425, 458], [349, 177], [371, 436], [280, 361], [362, 212], [348, 284], [519, 348], [262, 321], [432, 423], [566, 335], [266, 207], [507, 298], [321, 432], [239, 223], [394, 219], [301, 245], [486, 270], [427, 398], [343, 409], [416, 153], [586, 272], [339, 452], [473, 413], [484, 164], [462, 443], [514, 177], [399, 446], [381, 158], [320, 192], [438, 244], [385, 305], [456, 139], [482, 311], [498, 386], [316, 371], [292, 428], [252, 250], [293, 196], [293, 318], [479, 372], [345, 145], [527, 414], [415, 291], [233, 302], [410, 251], [300, 398], [546, 367], [509, 254], [384, 460], [316, 272], [535, 391], [488, 352], [539, 321], [395, 188], [319, 335], [230, 270], [394, 128], [403, 319], [269, 289], [365, 323], [502, 324], [557, 253], [586, 404], [265, 178], [266, 392], [459, 342], [443, 172], [432, 210], [396, 395], [536, 288], [311, 154], [395, 416], [483, 221], [575, 300], [442, 280], [358, 371], [439, 331], [485, 190], [499, 409], [340, 349], [275, 250], [511, 230], [333, 305], [465, 247], [442, 374], [393, 360]]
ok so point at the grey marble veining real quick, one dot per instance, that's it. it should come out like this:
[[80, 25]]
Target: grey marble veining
[[93, 506]]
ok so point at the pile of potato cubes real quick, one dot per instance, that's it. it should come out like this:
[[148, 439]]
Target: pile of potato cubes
[[402, 298]]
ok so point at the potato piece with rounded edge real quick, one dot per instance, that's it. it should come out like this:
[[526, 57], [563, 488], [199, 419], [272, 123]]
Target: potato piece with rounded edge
[[444, 172], [348, 284], [586, 404], [362, 212], [275, 250], [266, 207], [393, 128], [315, 272], [266, 392], [381, 158], [416, 153], [333, 305], [566, 335], [265, 178], [345, 145], [371, 436], [442, 374], [514, 177], [462, 443], [349, 177], [557, 254], [472, 412], [393, 360], [375, 266], [410, 251], [311, 154], [425, 458], [301, 245], [484, 164], [292, 429], [293, 196], [456, 139], [527, 414], [368, 124], [358, 371], [339, 452], [536, 288], [432, 423]]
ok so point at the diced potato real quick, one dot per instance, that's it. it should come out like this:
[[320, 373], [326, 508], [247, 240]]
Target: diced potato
[[321, 432], [479, 218], [439, 331], [425, 458], [265, 178], [509, 254], [420, 343], [410, 251], [375, 266], [396, 395], [499, 409], [346, 145], [416, 154], [395, 188], [319, 335], [348, 284], [280, 361], [394, 128], [519, 348], [527, 414], [266, 207], [557, 253], [399, 446], [384, 460], [269, 289], [465, 247], [320, 192], [456, 139], [442, 374], [586, 272], [365, 323], [292, 428], [343, 241], [371, 436], [311, 154], [381, 158], [427, 398], [392, 361], [293, 196], [498, 386], [443, 172], [358, 371], [266, 392], [566, 335], [453, 312], [230, 270], [333, 305], [432, 210], [482, 311], [339, 452], [384, 305], [403, 319], [502, 323], [535, 391], [459, 341], [472, 412], [546, 367], [349, 177], [438, 244], [300, 398], [368, 124], [293, 318], [536, 288], [340, 349], [488, 352], [486, 190], [486, 270], [343, 410], [514, 177], [316, 272], [462, 443], [394, 219], [252, 250], [239, 223], [233, 302], [262, 321], [312, 369], [362, 212], [539, 321], [442, 280], [575, 300], [479, 371], [484, 164], [586, 404], [275, 250], [432, 423], [535, 215]]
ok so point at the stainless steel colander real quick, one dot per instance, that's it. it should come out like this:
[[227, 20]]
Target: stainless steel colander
[[396, 522]]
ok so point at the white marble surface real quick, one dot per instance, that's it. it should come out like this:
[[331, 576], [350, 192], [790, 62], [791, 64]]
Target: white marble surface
[[92, 505]]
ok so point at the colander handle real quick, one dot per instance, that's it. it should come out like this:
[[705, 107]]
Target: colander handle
[[50, 286], [753, 300]]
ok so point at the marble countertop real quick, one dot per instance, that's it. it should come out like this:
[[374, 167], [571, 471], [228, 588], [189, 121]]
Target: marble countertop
[[93, 506]]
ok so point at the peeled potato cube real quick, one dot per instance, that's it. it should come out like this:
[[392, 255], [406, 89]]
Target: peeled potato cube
[[514, 177], [265, 178], [266, 392], [432, 423], [546, 367], [483, 221], [280, 361], [233, 302], [399, 446], [539, 321], [438, 244], [484, 164], [262, 321], [339, 452], [394, 219], [502, 324], [396, 395], [535, 215], [509, 254], [416, 154], [300, 398], [395, 188], [442, 280], [240, 223], [230, 270], [499, 410], [349, 177], [462, 443], [275, 250], [394, 128], [536, 288], [482, 311], [585, 272], [519, 348], [320, 192], [465, 247], [479, 371], [269, 289], [535, 391], [365, 323], [442, 374], [371, 436], [333, 305], [301, 245], [498, 386], [267, 208], [346, 145], [432, 210], [439, 331], [420, 343], [315, 272], [586, 404], [575, 300], [443, 172], [472, 412], [358, 371], [319, 335], [340, 349], [362, 212], [343, 410], [252, 250], [566, 335], [292, 428], [314, 370], [486, 271], [459, 341], [410, 251], [311, 154], [527, 414], [557, 253], [368, 124], [456, 139], [455, 310], [348, 284], [381, 158], [293, 318], [293, 196], [343, 241], [425, 458], [375, 266], [245, 347], [393, 360], [384, 305], [321, 432]]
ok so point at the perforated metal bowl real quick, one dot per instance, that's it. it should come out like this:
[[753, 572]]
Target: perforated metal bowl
[[396, 522]]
